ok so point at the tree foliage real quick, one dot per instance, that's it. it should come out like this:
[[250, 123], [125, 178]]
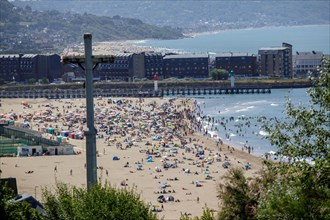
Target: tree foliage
[[101, 202], [219, 74], [298, 187], [238, 195], [302, 187], [208, 214]]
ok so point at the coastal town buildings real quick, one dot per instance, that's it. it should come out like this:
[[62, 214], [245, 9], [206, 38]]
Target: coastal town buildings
[[242, 64], [305, 63], [186, 65], [117, 71], [276, 61], [129, 67], [23, 67], [153, 65]]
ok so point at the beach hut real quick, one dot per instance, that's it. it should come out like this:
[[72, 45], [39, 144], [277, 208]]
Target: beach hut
[[29, 151], [23, 151], [59, 138], [65, 133], [72, 135], [59, 150], [50, 130]]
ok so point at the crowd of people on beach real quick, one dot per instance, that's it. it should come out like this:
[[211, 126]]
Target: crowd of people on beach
[[165, 132]]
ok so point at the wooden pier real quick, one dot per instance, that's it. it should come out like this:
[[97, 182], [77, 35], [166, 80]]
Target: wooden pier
[[101, 92]]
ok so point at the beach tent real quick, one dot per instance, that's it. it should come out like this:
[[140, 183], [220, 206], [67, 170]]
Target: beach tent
[[247, 166], [115, 158], [149, 160], [161, 199], [170, 198], [139, 166], [226, 164], [157, 169], [197, 183], [174, 150]]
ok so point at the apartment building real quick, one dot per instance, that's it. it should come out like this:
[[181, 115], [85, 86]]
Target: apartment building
[[305, 63], [276, 61], [242, 64], [153, 65], [186, 65], [22, 67]]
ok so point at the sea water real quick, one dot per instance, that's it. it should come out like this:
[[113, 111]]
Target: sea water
[[236, 116], [240, 112], [303, 38]]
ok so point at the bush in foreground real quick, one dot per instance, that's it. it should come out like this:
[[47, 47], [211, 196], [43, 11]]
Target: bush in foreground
[[101, 202]]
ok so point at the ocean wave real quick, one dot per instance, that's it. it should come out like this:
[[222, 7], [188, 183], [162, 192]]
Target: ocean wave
[[254, 102], [213, 133], [245, 109], [263, 133], [273, 104]]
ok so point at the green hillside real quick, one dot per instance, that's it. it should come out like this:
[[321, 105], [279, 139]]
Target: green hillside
[[25, 30]]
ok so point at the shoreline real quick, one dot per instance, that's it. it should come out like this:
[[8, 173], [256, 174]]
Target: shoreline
[[196, 34], [112, 47], [177, 129]]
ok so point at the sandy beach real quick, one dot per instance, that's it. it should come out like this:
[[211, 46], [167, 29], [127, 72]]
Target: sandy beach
[[116, 47], [159, 144]]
